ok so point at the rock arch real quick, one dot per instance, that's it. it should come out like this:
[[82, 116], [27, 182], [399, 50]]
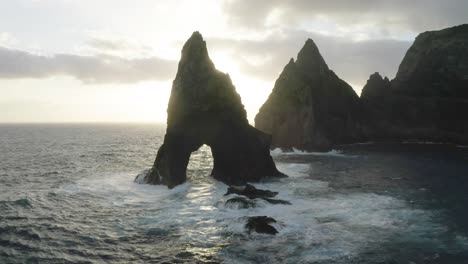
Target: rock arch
[[204, 108]]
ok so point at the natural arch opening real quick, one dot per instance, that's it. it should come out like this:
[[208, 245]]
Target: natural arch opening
[[200, 164]]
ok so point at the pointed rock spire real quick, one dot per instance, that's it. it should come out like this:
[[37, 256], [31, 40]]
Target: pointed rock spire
[[309, 58], [310, 107], [204, 108], [195, 56], [195, 49]]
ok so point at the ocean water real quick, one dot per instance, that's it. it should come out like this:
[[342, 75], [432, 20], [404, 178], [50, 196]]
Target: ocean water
[[67, 196]]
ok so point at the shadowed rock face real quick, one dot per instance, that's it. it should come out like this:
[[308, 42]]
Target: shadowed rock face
[[428, 99], [376, 87], [436, 65], [310, 107], [204, 108]]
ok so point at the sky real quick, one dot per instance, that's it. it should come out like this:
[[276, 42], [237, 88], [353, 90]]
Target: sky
[[114, 60]]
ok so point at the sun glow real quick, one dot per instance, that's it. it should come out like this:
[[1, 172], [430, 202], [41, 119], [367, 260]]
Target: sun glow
[[253, 91], [64, 99]]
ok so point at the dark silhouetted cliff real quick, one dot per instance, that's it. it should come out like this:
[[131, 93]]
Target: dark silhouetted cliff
[[204, 108]]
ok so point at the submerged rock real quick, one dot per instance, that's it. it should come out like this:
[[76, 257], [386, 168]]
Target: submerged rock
[[277, 201], [240, 202], [261, 224], [251, 192], [204, 108], [428, 99], [310, 107]]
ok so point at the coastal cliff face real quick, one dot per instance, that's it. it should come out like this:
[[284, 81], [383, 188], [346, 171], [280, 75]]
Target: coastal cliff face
[[428, 99], [310, 107], [436, 65], [204, 108]]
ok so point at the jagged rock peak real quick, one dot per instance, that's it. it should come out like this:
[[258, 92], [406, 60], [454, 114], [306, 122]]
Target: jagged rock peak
[[378, 78], [376, 86], [290, 67], [375, 76], [195, 52], [309, 58], [310, 107], [205, 108], [428, 97]]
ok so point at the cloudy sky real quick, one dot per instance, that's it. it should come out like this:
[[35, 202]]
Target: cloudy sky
[[114, 60]]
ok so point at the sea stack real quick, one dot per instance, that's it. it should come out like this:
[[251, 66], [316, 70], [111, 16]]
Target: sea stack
[[310, 107], [204, 108], [428, 99]]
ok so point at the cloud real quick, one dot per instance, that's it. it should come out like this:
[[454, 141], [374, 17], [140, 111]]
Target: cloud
[[116, 46], [6, 39], [415, 15], [89, 69], [352, 60], [356, 38]]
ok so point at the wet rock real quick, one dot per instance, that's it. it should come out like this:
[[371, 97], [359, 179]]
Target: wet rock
[[140, 178], [205, 108], [250, 191], [277, 201], [261, 224], [240, 202]]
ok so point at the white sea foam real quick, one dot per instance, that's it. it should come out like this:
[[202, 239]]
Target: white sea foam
[[294, 169], [359, 143], [141, 176], [332, 153], [320, 225], [81, 209], [424, 142]]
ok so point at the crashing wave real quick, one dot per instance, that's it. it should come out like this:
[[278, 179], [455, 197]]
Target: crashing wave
[[331, 153], [140, 178]]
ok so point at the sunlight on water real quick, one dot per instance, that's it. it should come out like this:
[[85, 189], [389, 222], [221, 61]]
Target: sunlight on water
[[320, 225], [82, 205]]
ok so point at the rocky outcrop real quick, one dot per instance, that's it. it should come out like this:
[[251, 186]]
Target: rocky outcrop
[[251, 192], [428, 99], [310, 107], [376, 87], [261, 224], [204, 108]]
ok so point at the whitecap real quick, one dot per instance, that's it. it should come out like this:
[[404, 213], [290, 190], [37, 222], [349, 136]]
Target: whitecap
[[332, 153]]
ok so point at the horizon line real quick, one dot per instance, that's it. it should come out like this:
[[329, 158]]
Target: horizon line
[[80, 122]]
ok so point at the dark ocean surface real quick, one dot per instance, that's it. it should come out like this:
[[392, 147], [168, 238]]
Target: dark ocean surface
[[67, 196]]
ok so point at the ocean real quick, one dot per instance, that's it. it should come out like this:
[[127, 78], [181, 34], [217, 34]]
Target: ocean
[[67, 196]]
